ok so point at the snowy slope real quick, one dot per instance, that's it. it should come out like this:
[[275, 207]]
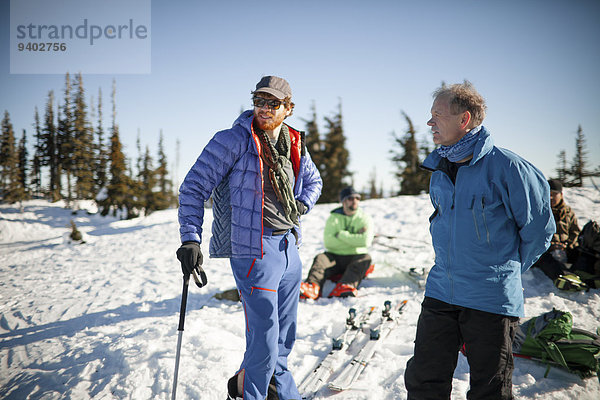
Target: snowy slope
[[99, 320]]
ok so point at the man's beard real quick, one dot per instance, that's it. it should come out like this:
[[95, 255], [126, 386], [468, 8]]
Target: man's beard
[[351, 208], [269, 126]]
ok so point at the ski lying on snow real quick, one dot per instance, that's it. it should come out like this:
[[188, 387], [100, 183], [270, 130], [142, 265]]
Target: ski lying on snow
[[380, 331], [417, 275], [319, 376]]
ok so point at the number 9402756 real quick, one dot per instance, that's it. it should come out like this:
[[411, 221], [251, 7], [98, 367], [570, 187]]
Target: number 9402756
[[42, 46]]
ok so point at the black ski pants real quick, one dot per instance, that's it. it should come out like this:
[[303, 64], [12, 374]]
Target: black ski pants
[[441, 331], [352, 267]]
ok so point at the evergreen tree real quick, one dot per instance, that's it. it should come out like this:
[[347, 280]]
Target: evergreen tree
[[336, 159], [50, 149], [36, 162], [139, 162], [100, 149], [164, 196], [373, 192], [10, 188], [148, 184], [575, 175], [314, 143], [412, 179], [118, 196], [22, 165], [83, 152], [137, 186], [65, 140], [562, 170], [7, 149], [578, 170]]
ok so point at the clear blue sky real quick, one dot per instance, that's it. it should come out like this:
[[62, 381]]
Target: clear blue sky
[[536, 63]]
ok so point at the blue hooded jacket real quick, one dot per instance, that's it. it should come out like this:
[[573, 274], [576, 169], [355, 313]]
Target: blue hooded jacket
[[487, 229], [230, 169]]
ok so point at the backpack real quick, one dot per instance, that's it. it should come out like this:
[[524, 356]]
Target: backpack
[[551, 339], [589, 237], [587, 265]]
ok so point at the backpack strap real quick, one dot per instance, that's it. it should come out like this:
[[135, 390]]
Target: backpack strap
[[554, 353]]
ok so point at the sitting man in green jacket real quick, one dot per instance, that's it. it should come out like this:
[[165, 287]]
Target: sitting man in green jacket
[[348, 234]]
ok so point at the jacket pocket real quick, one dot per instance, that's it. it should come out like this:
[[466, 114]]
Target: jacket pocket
[[473, 213], [490, 209], [485, 222], [253, 288]]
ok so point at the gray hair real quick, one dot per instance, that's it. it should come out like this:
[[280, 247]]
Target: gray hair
[[463, 97]]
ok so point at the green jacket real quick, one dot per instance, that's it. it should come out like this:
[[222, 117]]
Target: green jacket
[[343, 234]]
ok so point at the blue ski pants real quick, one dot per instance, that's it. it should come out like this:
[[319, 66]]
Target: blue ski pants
[[270, 291]]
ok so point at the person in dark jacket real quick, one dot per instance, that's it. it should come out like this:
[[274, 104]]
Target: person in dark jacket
[[261, 179], [492, 220], [347, 236], [563, 248]]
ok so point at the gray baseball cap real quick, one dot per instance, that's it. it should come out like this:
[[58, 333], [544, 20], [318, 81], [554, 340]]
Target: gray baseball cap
[[274, 85]]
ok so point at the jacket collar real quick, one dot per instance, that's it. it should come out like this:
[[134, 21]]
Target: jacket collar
[[484, 146]]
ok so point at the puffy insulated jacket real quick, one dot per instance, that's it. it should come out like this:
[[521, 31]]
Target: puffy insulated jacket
[[230, 169], [349, 240], [487, 229]]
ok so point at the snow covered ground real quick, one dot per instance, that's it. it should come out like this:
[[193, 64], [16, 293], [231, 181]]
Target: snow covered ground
[[99, 320]]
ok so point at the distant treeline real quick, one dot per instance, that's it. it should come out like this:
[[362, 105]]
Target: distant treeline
[[573, 174], [74, 160], [331, 157]]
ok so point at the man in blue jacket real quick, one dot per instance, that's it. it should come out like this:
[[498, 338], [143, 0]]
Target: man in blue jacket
[[492, 221], [261, 179]]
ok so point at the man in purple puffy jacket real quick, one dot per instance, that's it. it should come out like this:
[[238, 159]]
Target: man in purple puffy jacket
[[261, 179]]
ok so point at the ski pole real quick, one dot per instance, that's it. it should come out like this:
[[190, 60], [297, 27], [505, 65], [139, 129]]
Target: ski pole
[[377, 235], [387, 246], [186, 281]]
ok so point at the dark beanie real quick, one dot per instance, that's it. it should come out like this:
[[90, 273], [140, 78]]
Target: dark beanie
[[347, 191], [555, 185]]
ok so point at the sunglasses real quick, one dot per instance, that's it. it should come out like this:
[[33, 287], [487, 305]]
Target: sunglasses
[[273, 104]]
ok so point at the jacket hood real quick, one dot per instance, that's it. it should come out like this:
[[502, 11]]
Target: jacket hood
[[244, 120], [484, 145]]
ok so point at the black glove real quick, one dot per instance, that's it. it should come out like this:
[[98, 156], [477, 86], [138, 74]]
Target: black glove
[[190, 256], [301, 207]]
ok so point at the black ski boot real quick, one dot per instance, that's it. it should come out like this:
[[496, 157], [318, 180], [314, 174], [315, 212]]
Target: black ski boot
[[232, 391]]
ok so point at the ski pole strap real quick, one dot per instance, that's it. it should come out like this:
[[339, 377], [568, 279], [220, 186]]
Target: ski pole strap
[[200, 281]]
